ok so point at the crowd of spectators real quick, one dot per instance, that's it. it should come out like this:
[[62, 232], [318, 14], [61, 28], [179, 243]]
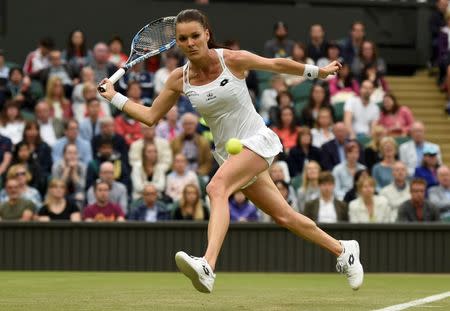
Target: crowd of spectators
[[351, 151]]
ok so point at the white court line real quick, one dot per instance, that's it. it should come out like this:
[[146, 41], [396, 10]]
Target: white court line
[[417, 302]]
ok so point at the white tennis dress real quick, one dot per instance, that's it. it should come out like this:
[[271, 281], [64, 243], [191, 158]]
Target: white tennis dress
[[227, 108]]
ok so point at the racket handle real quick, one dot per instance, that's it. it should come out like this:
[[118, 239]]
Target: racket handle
[[114, 78]]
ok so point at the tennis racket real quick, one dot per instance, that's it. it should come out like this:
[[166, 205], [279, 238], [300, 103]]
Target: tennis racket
[[152, 39]]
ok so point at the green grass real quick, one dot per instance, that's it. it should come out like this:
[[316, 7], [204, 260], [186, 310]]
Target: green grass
[[65, 291]]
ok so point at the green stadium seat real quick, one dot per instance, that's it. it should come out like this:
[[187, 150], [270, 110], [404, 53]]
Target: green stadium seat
[[363, 140], [296, 182], [338, 109], [299, 106], [402, 139], [301, 91], [264, 78]]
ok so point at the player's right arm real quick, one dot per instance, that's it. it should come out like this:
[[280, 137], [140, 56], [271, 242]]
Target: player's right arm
[[160, 106]]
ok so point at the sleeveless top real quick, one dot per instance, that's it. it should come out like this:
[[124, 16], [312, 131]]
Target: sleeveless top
[[227, 108]]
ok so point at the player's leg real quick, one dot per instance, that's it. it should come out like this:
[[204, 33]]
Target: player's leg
[[266, 196]]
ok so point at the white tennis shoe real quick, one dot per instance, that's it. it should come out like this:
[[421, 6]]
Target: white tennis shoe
[[197, 270], [348, 263]]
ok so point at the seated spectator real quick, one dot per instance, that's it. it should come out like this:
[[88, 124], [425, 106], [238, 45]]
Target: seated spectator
[[326, 208], [18, 89], [280, 45], [5, 154], [317, 99], [51, 129], [11, 122], [194, 146], [4, 69], [144, 78], [279, 171], [170, 127], [163, 149], [22, 155], [299, 55], [118, 192], [71, 131], [333, 152], [15, 207], [284, 100], [107, 130], [440, 195], [368, 55], [368, 207], [287, 130], [285, 191], [241, 209], [90, 125], [37, 60], [323, 129], [353, 193], [179, 177], [352, 44], [103, 209], [23, 177], [127, 127], [382, 171], [100, 62], [269, 96], [172, 61], [418, 208], [73, 173], [190, 205], [396, 119], [430, 164], [317, 46], [380, 85], [343, 85], [148, 171], [372, 153], [397, 192], [57, 68], [411, 152], [303, 152], [333, 54], [360, 114], [310, 185], [437, 22], [344, 172], [56, 206], [151, 209], [116, 55], [76, 53], [60, 106]]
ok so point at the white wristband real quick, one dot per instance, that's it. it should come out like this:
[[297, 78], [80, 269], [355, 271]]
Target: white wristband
[[119, 101], [311, 72]]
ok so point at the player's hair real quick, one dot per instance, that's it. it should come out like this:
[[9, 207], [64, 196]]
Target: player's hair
[[193, 15]]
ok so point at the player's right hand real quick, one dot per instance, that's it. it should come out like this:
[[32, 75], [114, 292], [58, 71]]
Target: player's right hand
[[109, 92]]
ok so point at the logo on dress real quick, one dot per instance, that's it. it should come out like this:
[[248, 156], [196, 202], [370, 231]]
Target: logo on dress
[[210, 96], [223, 82], [191, 94]]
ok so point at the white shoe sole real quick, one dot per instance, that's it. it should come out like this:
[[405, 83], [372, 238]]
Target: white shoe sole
[[182, 260]]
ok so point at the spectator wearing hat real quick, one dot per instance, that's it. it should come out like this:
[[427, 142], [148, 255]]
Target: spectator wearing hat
[[418, 208], [280, 45], [429, 167]]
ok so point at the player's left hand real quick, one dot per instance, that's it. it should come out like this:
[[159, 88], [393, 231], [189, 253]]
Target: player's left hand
[[329, 69]]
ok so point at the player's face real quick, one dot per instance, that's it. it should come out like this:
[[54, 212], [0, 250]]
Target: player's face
[[192, 38]]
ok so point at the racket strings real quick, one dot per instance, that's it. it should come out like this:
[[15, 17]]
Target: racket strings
[[155, 36]]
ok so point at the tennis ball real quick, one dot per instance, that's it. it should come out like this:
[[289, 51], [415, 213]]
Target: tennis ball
[[233, 146]]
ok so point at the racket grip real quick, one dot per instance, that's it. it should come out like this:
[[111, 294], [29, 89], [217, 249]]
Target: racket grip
[[114, 78]]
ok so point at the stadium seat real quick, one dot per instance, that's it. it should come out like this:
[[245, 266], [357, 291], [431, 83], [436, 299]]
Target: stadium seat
[[298, 107], [263, 79], [338, 109], [296, 182], [363, 140], [402, 139], [300, 92]]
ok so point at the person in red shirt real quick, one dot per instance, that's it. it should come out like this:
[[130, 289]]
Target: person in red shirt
[[102, 209]]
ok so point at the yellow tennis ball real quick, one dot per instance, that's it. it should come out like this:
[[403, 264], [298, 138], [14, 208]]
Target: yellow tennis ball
[[233, 146]]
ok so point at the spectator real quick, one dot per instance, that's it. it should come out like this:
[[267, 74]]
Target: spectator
[[352, 44], [172, 61], [50, 129], [56, 206], [194, 146], [326, 208], [179, 177], [397, 192], [318, 98], [63, 71], [303, 152], [4, 69], [38, 59], [344, 172], [90, 125], [190, 206], [367, 57], [18, 88], [368, 207], [151, 210], [333, 152], [20, 173], [380, 85], [61, 107], [163, 149], [323, 129], [100, 62], [284, 100], [333, 53], [278, 170], [382, 171], [103, 209], [418, 208], [359, 113], [5, 154], [144, 78], [317, 47], [117, 191], [107, 131], [300, 55], [309, 190], [126, 126], [11, 122], [73, 173], [285, 191], [148, 171], [440, 195], [372, 153], [396, 119], [171, 127], [342, 85], [287, 130], [430, 164], [437, 21], [353, 193], [76, 53], [280, 45], [269, 96], [71, 131], [116, 55], [15, 207], [241, 209]]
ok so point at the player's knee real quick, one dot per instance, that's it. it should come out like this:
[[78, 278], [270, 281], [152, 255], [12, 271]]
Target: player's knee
[[282, 219], [216, 187]]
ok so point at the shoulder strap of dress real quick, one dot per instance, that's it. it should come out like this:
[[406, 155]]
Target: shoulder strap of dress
[[186, 73], [222, 61]]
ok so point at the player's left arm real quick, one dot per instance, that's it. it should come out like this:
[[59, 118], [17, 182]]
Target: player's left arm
[[243, 60]]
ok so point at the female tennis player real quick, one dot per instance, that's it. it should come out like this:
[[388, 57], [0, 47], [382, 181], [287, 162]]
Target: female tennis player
[[214, 81]]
